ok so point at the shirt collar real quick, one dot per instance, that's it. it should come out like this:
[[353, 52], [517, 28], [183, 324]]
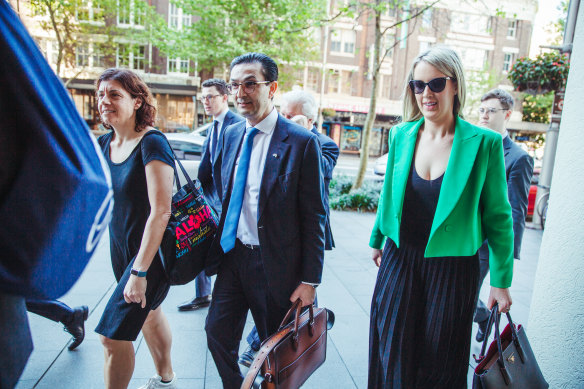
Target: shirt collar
[[221, 117], [505, 134], [267, 125]]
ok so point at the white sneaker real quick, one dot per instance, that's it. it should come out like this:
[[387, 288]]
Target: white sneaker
[[156, 383]]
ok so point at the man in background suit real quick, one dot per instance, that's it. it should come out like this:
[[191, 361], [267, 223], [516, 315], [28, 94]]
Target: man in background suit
[[215, 101], [494, 113], [271, 233], [300, 105]]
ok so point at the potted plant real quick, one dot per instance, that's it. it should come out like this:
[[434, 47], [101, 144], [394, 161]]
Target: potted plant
[[539, 75]]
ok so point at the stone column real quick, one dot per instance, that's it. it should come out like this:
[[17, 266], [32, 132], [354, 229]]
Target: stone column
[[556, 318]]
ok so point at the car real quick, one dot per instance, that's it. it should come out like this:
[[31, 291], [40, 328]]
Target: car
[[188, 148], [380, 165]]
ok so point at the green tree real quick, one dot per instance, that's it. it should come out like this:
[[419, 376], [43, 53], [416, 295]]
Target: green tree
[[103, 23], [282, 29], [556, 28]]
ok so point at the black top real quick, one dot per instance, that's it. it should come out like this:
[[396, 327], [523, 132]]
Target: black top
[[131, 205], [420, 201]]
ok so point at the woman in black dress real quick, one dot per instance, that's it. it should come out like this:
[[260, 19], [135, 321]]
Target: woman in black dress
[[142, 167], [444, 193]]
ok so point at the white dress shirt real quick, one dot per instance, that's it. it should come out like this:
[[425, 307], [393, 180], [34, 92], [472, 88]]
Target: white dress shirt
[[247, 229], [220, 119]]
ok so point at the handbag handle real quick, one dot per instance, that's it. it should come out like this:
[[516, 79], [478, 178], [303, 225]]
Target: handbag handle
[[495, 317]]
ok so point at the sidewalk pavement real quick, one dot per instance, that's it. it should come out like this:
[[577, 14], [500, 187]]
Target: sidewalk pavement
[[348, 282]]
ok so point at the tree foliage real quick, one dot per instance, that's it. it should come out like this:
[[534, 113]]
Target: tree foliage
[[74, 23], [282, 29]]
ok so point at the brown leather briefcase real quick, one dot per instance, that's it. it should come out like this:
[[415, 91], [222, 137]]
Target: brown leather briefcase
[[287, 358]]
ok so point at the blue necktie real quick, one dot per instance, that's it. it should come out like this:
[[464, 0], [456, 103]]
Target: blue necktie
[[234, 209], [214, 141]]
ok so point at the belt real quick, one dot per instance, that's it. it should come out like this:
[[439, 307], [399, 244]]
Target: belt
[[247, 246]]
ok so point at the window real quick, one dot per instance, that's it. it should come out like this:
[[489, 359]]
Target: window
[[469, 23], [388, 45], [349, 37], [312, 79], [89, 11], [512, 29], [177, 18], [132, 57], [472, 58], [82, 55], [335, 41], [333, 82], [343, 41], [50, 50], [347, 82], [508, 61], [131, 13], [427, 18], [178, 65]]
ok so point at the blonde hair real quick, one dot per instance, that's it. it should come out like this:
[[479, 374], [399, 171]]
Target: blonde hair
[[446, 61]]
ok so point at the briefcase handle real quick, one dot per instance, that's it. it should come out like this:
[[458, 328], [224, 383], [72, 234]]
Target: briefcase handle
[[495, 317], [296, 309]]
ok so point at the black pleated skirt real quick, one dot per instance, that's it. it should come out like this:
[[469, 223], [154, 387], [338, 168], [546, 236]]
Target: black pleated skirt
[[421, 320]]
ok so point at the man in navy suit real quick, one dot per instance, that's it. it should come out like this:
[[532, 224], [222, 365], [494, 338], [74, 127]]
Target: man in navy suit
[[301, 104], [271, 233], [494, 113], [215, 101]]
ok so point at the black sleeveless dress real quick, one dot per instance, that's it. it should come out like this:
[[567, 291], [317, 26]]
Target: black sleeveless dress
[[120, 320], [422, 308]]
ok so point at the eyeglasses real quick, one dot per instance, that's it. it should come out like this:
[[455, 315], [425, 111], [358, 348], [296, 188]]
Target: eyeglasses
[[490, 111], [207, 98], [248, 86], [436, 85]]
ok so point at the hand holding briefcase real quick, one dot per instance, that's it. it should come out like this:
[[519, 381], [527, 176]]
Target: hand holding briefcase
[[287, 358]]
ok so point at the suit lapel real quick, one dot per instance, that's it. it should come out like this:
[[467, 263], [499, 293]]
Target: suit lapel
[[276, 157], [227, 121], [232, 141], [507, 144], [404, 152], [464, 151]]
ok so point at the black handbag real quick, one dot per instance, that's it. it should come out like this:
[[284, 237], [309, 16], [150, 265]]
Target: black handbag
[[189, 233], [510, 362]]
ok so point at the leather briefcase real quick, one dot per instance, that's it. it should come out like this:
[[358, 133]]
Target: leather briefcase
[[510, 362], [287, 358]]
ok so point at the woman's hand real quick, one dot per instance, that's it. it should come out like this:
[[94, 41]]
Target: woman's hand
[[135, 290], [377, 256], [500, 296]]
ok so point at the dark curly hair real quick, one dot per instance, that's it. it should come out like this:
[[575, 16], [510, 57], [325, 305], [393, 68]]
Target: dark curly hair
[[137, 88]]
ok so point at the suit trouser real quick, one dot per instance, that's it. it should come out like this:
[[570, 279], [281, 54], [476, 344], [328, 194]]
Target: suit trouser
[[481, 311], [241, 285], [15, 339], [51, 309], [202, 285]]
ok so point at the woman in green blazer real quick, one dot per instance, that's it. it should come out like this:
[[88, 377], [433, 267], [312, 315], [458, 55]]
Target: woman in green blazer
[[444, 193]]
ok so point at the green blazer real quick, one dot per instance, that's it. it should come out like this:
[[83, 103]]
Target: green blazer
[[472, 205]]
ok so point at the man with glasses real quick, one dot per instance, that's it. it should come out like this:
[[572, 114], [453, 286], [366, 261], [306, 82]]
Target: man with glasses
[[300, 107], [214, 98], [271, 234], [494, 113]]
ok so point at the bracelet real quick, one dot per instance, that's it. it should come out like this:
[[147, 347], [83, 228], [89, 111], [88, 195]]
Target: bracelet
[[138, 273]]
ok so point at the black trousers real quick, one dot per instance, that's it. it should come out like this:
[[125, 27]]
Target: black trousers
[[241, 285], [481, 311], [51, 309]]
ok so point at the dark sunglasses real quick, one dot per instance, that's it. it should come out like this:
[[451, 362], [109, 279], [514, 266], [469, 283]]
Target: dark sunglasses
[[436, 85]]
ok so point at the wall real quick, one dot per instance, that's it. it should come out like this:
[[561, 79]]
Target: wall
[[556, 319]]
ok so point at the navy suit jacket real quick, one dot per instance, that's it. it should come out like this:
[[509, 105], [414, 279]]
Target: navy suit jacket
[[209, 173], [291, 213], [519, 169], [330, 153]]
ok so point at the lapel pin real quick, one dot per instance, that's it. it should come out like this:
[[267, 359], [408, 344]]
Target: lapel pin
[[275, 155]]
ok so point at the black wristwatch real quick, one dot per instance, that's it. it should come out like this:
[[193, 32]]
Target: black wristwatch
[[138, 273]]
